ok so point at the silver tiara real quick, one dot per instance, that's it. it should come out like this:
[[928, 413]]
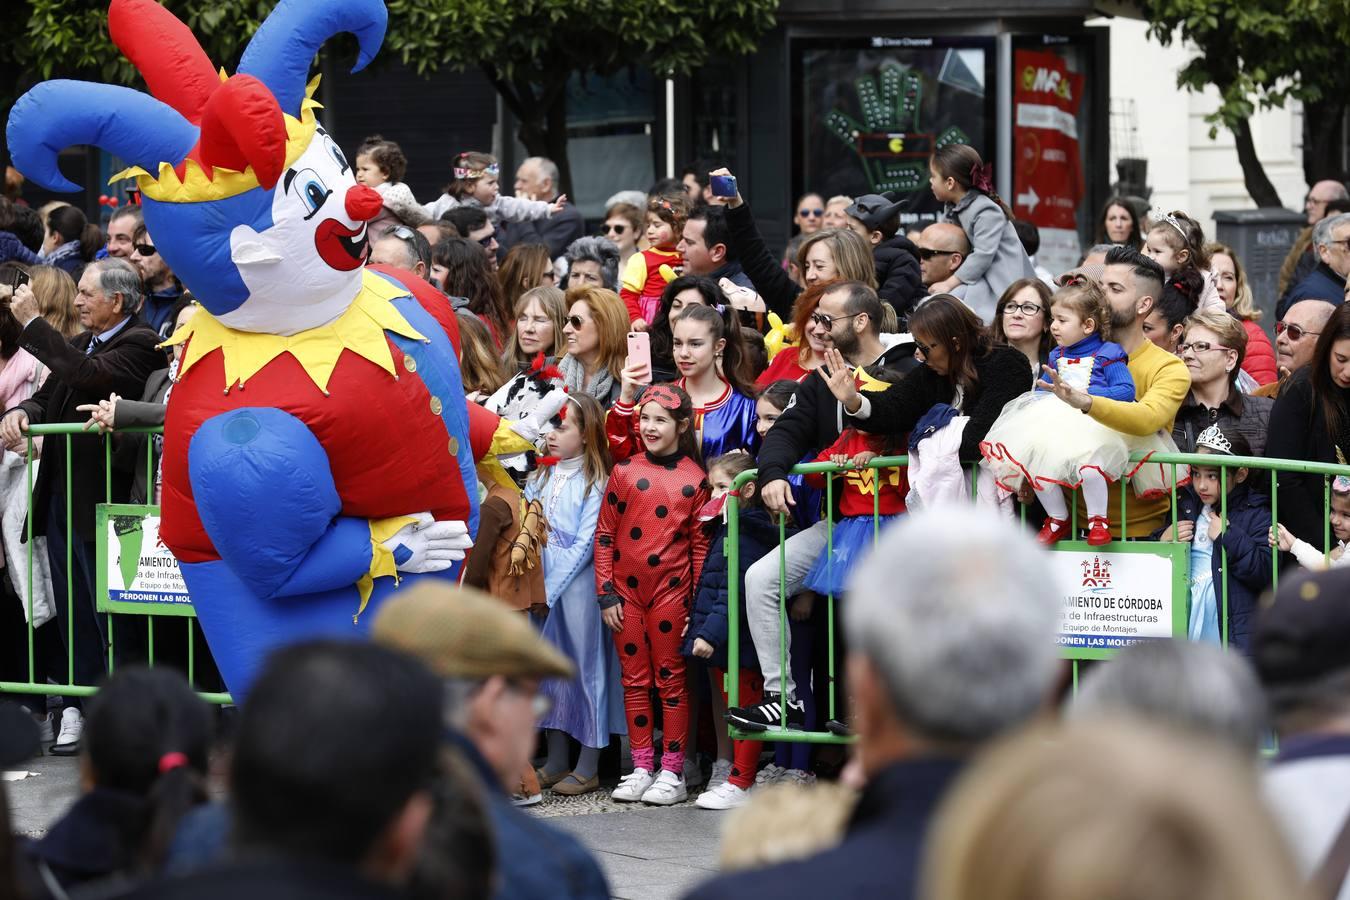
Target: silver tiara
[[1157, 215], [1213, 438]]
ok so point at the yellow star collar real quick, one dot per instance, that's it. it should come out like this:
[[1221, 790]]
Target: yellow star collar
[[361, 329], [867, 382]]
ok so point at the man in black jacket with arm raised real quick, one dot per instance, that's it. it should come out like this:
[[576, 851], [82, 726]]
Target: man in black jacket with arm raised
[[115, 355], [812, 421]]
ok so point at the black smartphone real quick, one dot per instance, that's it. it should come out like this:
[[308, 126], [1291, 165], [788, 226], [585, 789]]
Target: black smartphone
[[12, 278]]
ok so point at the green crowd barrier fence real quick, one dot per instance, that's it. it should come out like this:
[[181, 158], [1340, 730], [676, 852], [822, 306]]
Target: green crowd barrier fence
[[1262, 472], [116, 538]]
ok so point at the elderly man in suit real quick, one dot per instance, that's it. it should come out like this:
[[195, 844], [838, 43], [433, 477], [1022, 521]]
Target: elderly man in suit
[[115, 354]]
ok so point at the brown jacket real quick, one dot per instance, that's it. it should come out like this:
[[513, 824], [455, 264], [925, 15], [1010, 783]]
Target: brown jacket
[[507, 559]]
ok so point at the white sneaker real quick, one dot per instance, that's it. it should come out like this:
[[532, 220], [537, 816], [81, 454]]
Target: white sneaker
[[770, 774], [633, 786], [693, 773], [46, 729], [721, 770], [68, 738], [667, 790], [725, 796], [797, 777]]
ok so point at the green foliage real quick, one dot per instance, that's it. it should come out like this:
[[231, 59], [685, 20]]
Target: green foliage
[[539, 40], [1257, 53]]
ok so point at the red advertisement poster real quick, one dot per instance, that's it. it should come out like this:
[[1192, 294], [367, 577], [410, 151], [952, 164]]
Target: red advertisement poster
[[1047, 167]]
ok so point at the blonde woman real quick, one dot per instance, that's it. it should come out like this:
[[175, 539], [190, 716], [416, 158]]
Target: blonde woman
[[1108, 810], [596, 334], [832, 254], [55, 291], [1237, 296]]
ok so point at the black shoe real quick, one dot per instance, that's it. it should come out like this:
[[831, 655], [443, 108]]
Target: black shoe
[[838, 728], [768, 715]]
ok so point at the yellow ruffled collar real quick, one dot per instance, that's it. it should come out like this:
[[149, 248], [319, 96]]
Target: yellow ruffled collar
[[361, 329]]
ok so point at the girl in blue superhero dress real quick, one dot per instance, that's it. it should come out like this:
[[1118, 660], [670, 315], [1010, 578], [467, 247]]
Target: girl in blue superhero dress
[[1040, 440], [570, 485], [712, 361]]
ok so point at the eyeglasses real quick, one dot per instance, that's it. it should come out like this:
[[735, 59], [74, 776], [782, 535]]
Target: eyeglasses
[[922, 348], [576, 322], [144, 249], [928, 253], [1199, 347], [617, 229], [402, 232], [811, 213], [487, 241], [1345, 241], [1026, 309], [827, 322], [1296, 332]]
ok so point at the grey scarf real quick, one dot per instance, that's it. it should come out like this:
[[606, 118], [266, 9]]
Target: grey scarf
[[574, 376]]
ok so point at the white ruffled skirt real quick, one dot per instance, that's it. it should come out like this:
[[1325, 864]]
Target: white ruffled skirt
[[1042, 440]]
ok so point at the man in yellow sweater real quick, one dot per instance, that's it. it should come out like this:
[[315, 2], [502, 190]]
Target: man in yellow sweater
[[1133, 282]]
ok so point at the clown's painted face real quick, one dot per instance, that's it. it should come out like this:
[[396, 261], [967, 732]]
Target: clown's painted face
[[304, 270]]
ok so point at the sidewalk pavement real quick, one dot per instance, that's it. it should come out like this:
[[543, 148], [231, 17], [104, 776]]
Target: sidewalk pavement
[[650, 853]]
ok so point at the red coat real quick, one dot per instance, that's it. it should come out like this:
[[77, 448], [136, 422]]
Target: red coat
[[1259, 360]]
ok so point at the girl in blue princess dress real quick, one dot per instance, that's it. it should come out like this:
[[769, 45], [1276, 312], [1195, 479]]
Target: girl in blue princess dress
[[570, 485], [1043, 441]]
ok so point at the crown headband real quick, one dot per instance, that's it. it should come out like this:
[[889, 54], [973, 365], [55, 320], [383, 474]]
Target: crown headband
[[1160, 216], [469, 174], [1214, 439]]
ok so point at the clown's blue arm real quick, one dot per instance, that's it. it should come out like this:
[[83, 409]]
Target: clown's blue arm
[[266, 497]]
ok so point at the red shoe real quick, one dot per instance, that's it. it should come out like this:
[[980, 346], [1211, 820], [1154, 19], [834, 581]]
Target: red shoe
[[1053, 531], [1098, 532]]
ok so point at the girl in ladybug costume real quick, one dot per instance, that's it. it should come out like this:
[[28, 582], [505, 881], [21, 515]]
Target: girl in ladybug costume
[[649, 551]]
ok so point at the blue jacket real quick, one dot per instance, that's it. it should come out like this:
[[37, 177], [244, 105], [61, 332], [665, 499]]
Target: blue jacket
[[880, 855], [535, 861], [708, 620], [1246, 540], [1110, 367], [1322, 283]]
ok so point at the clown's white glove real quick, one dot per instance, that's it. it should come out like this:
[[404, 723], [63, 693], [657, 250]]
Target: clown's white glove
[[429, 546]]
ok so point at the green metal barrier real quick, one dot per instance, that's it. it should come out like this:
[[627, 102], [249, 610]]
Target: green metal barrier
[[69, 688], [829, 707]]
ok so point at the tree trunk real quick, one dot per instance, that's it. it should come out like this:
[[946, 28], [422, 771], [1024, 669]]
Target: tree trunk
[[1253, 173], [1322, 151], [541, 119]]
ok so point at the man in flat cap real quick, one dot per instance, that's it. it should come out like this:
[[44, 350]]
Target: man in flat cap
[[1302, 654], [491, 662]]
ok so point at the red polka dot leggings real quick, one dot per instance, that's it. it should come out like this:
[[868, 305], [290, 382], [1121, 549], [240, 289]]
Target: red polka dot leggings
[[649, 653], [744, 754]]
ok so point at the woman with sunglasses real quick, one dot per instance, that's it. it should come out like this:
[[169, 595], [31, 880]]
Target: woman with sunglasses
[[1213, 348], [1310, 421], [623, 226], [962, 367], [1022, 321], [596, 331], [810, 214]]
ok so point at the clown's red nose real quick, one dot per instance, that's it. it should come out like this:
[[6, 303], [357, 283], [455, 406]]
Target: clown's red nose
[[363, 203]]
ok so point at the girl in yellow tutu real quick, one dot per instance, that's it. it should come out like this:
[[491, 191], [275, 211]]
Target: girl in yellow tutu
[[1043, 441]]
